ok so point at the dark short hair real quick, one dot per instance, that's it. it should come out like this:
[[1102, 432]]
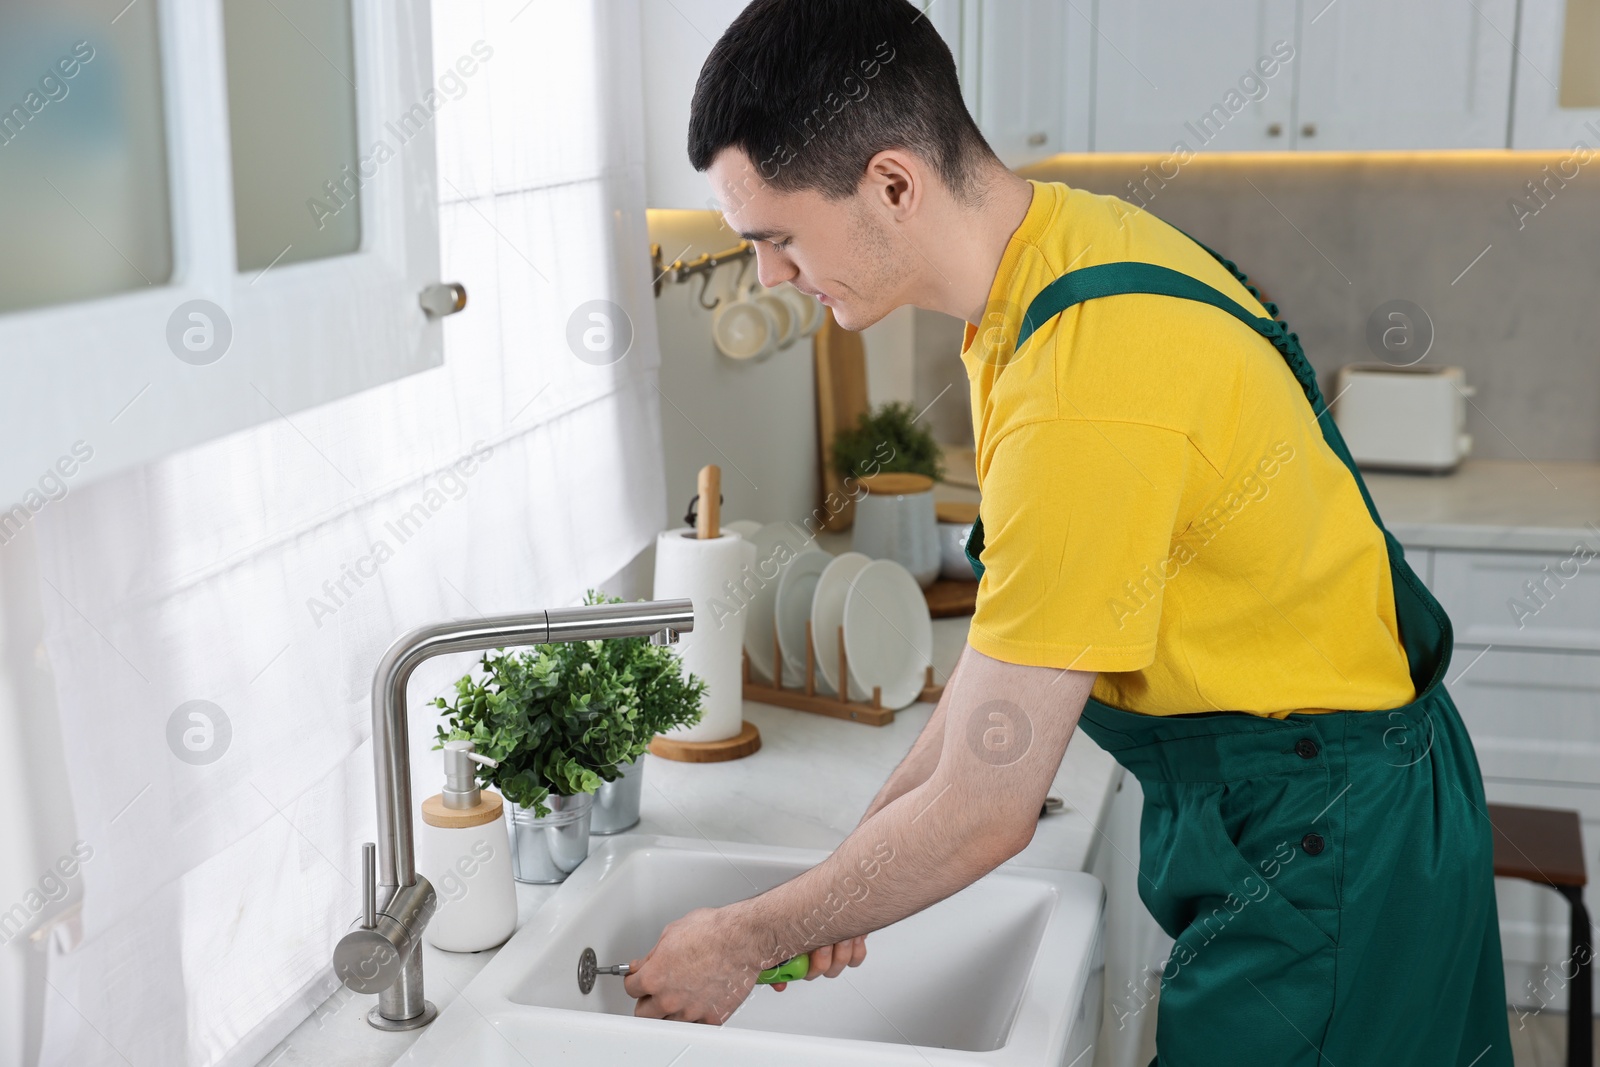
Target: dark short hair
[[811, 90]]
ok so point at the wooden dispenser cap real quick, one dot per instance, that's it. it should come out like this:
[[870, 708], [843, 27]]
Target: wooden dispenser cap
[[434, 813]]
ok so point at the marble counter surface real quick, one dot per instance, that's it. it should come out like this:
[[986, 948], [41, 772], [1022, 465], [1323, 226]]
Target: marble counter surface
[[1492, 504], [829, 769], [1501, 505]]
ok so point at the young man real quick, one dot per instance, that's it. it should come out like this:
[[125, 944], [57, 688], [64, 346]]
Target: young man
[[1176, 554]]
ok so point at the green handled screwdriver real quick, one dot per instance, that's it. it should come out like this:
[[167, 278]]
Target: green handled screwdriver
[[790, 970]]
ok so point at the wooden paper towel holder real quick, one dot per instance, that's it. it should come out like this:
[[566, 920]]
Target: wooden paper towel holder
[[807, 698], [747, 741]]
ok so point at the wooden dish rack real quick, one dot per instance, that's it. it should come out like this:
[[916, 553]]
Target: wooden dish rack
[[807, 698]]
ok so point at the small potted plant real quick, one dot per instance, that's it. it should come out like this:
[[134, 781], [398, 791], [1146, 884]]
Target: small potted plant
[[887, 441], [896, 462], [561, 720], [668, 698]]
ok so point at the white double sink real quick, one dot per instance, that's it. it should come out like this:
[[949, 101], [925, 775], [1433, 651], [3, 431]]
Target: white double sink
[[1008, 971]]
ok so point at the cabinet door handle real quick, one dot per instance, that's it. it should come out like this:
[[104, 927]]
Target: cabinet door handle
[[443, 298], [1275, 129], [1308, 130], [1037, 139]]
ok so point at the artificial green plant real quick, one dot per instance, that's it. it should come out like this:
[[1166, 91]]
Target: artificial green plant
[[560, 718], [884, 440]]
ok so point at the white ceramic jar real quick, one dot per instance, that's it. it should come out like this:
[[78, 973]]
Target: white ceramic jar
[[895, 520]]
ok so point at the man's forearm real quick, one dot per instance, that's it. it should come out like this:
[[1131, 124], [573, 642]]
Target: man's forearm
[[894, 864], [975, 809], [916, 768]]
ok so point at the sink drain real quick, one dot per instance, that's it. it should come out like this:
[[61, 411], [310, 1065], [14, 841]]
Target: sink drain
[[588, 967]]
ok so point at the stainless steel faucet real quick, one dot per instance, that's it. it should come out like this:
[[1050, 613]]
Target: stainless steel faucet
[[382, 952]]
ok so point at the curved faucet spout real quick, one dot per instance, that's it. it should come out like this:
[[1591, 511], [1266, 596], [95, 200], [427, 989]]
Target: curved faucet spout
[[402, 1001]]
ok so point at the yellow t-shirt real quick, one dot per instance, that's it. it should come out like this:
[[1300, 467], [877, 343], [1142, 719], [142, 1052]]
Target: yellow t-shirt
[[1159, 504]]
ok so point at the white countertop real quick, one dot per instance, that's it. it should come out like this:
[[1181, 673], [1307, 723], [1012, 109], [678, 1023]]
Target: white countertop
[[829, 769], [1492, 504], [1538, 506]]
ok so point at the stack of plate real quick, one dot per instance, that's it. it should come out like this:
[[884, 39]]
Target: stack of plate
[[888, 633]]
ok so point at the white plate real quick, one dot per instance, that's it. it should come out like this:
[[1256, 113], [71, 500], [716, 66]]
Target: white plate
[[795, 589], [888, 634], [776, 544], [827, 615]]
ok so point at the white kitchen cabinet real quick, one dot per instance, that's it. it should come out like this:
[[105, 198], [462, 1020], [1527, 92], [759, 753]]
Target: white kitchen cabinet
[[1404, 74], [1533, 716], [1024, 67], [958, 23], [1181, 71], [1361, 74], [1558, 75], [1421, 561], [1526, 678], [1530, 600], [677, 37], [243, 264], [1031, 79]]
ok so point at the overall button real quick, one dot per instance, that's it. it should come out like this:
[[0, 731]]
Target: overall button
[[1305, 748], [1313, 844]]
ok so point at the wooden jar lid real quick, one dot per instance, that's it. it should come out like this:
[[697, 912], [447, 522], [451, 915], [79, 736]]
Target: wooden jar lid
[[895, 482], [956, 511], [434, 813]]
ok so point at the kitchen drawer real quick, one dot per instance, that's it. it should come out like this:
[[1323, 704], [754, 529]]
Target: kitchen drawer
[[1421, 561], [1491, 597], [1532, 715]]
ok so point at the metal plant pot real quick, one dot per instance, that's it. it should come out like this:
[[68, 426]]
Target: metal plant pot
[[616, 804], [548, 848]]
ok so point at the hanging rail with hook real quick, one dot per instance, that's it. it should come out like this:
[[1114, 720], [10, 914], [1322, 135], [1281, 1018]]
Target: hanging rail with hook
[[681, 270]]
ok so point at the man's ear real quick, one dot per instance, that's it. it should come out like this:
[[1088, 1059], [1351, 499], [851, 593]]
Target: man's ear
[[896, 183]]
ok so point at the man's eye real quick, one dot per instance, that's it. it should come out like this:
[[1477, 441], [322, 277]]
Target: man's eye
[[779, 246]]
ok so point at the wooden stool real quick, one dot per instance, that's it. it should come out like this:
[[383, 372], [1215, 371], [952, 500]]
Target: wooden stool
[[1545, 845]]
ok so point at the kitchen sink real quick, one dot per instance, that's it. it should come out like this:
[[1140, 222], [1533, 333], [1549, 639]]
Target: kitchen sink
[[1008, 971]]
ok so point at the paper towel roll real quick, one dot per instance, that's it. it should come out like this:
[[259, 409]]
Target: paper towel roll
[[687, 566]]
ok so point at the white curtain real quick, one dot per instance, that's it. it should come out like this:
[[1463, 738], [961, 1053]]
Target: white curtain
[[264, 574]]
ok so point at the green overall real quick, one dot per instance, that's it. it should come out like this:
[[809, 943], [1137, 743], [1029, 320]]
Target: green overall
[[1327, 877]]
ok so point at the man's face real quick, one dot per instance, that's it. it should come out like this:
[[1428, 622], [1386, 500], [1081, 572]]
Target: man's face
[[839, 251]]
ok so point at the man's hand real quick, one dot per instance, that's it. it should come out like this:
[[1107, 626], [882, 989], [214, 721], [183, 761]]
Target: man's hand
[[831, 960], [695, 974], [699, 971], [980, 777]]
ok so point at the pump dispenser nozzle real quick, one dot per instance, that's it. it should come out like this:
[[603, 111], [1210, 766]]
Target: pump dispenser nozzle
[[461, 776]]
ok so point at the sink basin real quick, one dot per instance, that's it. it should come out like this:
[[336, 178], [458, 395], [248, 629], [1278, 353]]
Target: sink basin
[[1008, 971]]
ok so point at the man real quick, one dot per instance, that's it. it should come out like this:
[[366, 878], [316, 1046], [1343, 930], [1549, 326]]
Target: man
[[1175, 553]]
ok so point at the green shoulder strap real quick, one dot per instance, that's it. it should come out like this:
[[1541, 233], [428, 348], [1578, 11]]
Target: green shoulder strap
[[1423, 623], [1119, 279]]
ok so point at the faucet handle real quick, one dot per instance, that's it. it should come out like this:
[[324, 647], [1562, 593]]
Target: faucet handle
[[369, 886]]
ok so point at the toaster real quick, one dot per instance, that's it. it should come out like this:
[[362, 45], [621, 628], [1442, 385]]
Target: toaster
[[1403, 418]]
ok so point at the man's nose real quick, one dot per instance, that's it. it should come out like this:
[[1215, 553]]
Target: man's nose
[[773, 269]]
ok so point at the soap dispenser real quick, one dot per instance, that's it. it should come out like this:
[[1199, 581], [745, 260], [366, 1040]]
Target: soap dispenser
[[465, 853]]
